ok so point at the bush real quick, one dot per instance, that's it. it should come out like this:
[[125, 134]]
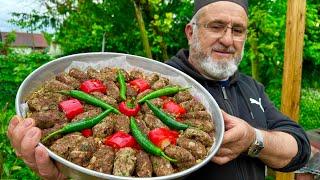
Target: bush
[[309, 105], [310, 109]]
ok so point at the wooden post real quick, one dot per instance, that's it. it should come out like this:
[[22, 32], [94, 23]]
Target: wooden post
[[292, 70]]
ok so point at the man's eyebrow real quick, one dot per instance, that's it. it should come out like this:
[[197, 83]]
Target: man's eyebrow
[[218, 21], [238, 24]]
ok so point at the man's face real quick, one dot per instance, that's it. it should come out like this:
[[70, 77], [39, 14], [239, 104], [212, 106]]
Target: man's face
[[216, 54]]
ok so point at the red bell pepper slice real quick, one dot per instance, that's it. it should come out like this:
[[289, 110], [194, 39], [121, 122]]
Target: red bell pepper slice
[[86, 132], [128, 110], [93, 85], [140, 84], [162, 137], [121, 139], [173, 108], [71, 108]]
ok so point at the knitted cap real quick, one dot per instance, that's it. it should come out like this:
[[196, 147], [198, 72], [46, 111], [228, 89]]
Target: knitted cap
[[198, 4]]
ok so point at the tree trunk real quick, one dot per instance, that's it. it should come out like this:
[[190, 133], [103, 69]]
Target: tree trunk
[[103, 41], [255, 60], [163, 44], [255, 68], [144, 36], [292, 68]]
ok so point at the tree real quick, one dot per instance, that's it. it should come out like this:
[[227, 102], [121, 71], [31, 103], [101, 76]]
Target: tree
[[5, 45]]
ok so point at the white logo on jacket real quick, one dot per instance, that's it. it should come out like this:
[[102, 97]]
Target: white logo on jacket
[[253, 101]]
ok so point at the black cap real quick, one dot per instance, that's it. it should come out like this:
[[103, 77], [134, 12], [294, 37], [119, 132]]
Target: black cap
[[198, 4]]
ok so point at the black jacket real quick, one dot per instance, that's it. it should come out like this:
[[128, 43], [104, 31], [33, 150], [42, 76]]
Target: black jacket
[[240, 97]]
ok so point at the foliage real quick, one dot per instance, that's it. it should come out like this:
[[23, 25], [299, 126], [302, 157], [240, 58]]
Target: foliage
[[309, 108], [14, 69], [309, 105], [5, 45], [265, 44], [81, 25]]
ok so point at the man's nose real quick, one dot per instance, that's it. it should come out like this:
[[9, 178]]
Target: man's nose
[[227, 38]]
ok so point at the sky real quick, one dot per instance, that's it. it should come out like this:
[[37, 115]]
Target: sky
[[9, 6]]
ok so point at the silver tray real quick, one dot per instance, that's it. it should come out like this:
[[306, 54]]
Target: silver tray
[[48, 70]]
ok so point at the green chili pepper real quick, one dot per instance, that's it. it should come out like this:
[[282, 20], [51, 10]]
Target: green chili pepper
[[166, 118], [89, 99], [145, 143], [162, 92], [123, 86], [79, 125]]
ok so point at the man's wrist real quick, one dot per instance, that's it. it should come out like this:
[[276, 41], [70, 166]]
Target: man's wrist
[[257, 145]]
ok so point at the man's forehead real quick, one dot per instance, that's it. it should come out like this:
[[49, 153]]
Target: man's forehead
[[224, 11]]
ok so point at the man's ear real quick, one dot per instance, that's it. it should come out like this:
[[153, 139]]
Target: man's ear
[[189, 32]]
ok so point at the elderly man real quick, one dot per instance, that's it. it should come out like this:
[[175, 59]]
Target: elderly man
[[256, 134]]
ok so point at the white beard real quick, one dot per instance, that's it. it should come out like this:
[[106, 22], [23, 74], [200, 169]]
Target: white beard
[[219, 70], [213, 68]]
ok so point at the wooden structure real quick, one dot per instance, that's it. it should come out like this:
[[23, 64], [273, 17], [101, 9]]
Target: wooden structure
[[292, 70]]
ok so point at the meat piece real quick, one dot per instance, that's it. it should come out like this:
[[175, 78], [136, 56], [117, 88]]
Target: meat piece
[[83, 152], [184, 157], [197, 149], [198, 135], [124, 162], [161, 166], [87, 114], [121, 123], [45, 132], [109, 74], [103, 129], [192, 105], [142, 125], [153, 122], [203, 115], [102, 160], [204, 125], [143, 166], [182, 96], [157, 101], [78, 74], [142, 94], [152, 78], [162, 82], [108, 99], [136, 74], [94, 74], [89, 107], [211, 134], [131, 92], [54, 86], [66, 144], [178, 153], [40, 101], [112, 90], [47, 119], [68, 80]]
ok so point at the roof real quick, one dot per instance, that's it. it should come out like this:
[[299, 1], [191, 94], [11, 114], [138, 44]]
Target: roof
[[27, 40]]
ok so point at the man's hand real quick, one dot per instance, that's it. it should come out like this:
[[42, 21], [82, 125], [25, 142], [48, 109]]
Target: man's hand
[[237, 138], [24, 138]]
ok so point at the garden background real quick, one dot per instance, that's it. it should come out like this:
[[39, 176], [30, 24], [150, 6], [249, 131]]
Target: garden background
[[154, 29]]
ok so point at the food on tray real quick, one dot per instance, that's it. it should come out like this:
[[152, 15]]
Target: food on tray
[[122, 123]]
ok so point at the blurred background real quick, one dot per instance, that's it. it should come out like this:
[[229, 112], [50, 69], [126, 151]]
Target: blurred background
[[33, 32]]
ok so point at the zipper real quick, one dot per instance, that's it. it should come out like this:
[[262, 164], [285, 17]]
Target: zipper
[[226, 100]]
